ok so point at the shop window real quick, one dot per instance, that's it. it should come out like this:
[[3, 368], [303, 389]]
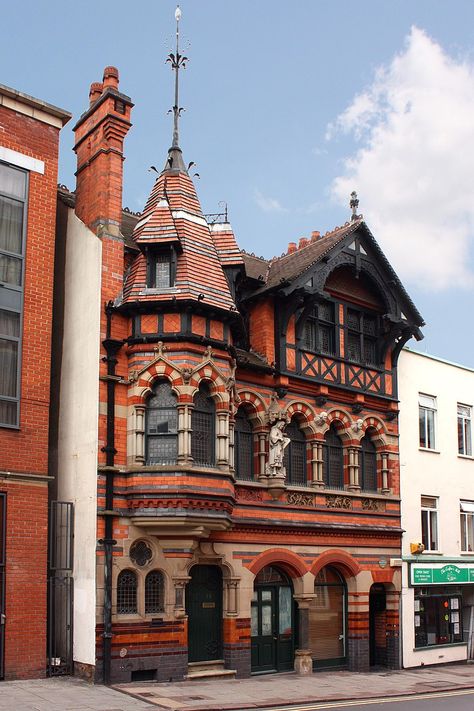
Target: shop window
[[368, 465], [333, 460], [243, 446], [427, 421], [361, 337], [127, 593], [320, 330], [467, 526], [13, 201], [294, 459], [203, 446], [429, 522], [154, 592], [438, 617], [464, 430], [161, 425]]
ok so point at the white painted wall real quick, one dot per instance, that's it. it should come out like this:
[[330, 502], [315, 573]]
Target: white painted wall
[[78, 418], [443, 473]]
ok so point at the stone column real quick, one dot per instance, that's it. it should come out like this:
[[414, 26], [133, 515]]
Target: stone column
[[223, 439], [232, 445], [232, 597], [262, 440], [188, 434], [317, 464], [180, 583], [183, 428], [354, 484], [303, 657], [139, 433], [385, 484]]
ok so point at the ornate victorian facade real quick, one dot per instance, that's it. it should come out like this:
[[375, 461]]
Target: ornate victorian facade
[[248, 511]]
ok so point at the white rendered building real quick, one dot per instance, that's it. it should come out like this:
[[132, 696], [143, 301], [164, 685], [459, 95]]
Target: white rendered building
[[437, 492]]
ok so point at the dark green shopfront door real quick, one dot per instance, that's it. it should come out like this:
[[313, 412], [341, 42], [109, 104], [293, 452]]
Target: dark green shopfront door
[[204, 610], [272, 622]]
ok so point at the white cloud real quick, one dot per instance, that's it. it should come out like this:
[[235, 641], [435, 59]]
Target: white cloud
[[268, 204], [414, 168]]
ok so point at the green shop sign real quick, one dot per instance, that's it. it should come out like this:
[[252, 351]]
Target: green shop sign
[[446, 574]]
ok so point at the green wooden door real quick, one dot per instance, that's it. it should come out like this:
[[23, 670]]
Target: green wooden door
[[204, 610], [272, 629]]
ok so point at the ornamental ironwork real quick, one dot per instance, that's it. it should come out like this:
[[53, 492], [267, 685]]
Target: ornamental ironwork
[[141, 553]]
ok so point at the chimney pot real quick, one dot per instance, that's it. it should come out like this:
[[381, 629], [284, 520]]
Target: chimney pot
[[303, 242], [292, 247], [111, 77], [315, 235], [95, 91]]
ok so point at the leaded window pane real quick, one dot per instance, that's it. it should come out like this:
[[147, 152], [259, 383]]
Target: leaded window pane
[[243, 446], [203, 428], [326, 311], [162, 271], [162, 426], [154, 592], [370, 351], [353, 320], [370, 325], [353, 346], [126, 593], [295, 456], [368, 465], [333, 460]]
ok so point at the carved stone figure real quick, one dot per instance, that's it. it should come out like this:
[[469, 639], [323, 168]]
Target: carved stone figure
[[278, 444]]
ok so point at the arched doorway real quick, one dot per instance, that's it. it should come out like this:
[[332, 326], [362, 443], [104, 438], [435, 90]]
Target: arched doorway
[[328, 619], [377, 625], [204, 611], [273, 621]]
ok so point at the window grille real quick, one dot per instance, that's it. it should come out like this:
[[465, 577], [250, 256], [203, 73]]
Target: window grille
[[368, 465], [162, 426], [243, 446], [203, 445], [154, 592], [295, 456], [333, 460], [140, 553], [127, 593]]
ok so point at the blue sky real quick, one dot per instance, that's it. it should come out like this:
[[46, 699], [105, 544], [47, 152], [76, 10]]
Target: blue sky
[[290, 106]]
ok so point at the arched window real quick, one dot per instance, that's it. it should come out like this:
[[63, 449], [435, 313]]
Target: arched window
[[295, 455], [243, 445], [161, 425], [333, 460], [203, 445], [368, 465], [154, 592], [127, 593]]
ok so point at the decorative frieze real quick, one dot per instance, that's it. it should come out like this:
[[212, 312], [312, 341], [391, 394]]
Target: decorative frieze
[[338, 502], [299, 498], [249, 494], [372, 505]]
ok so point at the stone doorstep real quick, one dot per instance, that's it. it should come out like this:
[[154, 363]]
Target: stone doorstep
[[213, 669]]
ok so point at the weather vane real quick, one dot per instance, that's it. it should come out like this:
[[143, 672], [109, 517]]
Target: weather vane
[[177, 61]]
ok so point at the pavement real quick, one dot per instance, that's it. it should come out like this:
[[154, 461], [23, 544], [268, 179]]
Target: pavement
[[272, 690]]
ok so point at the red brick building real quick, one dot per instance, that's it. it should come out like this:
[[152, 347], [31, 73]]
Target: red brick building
[[247, 489], [29, 135]]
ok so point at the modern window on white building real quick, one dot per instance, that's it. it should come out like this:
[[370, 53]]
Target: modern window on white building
[[467, 526], [427, 419], [464, 430], [429, 522]]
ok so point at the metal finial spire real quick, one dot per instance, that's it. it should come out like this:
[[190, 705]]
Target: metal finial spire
[[354, 204], [177, 61]]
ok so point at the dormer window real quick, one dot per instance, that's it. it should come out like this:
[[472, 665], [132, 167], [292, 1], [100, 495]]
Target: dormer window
[[320, 329], [161, 269], [362, 337]]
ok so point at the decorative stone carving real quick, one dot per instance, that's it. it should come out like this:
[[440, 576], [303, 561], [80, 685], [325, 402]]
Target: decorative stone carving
[[186, 373], [249, 494], [277, 445], [321, 419], [338, 502], [298, 498], [372, 505], [357, 426], [159, 349], [207, 355], [140, 553]]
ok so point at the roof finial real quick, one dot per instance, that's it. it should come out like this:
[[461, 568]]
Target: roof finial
[[177, 61], [354, 204]]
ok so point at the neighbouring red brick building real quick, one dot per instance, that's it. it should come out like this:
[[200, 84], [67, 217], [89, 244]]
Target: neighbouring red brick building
[[29, 135], [247, 488]]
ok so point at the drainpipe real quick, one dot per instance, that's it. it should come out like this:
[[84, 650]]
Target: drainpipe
[[112, 347]]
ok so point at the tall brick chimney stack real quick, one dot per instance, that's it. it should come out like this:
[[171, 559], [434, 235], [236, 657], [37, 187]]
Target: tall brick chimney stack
[[99, 137]]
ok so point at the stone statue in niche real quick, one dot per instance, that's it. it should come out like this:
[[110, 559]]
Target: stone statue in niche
[[278, 444]]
